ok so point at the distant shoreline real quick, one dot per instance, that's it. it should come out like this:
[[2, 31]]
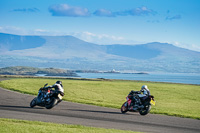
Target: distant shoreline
[[5, 77]]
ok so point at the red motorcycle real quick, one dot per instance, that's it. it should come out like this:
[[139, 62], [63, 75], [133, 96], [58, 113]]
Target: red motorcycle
[[138, 103]]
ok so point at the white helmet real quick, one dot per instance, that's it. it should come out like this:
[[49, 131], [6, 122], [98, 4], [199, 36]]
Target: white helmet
[[144, 87]]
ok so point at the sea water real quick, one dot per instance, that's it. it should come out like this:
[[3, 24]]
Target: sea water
[[186, 78]]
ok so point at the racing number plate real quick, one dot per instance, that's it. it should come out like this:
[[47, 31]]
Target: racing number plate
[[153, 102]]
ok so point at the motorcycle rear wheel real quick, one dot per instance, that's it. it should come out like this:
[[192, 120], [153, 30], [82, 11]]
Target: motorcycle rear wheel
[[52, 103], [124, 108]]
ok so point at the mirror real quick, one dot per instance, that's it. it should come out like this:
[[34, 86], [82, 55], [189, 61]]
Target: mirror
[[46, 84]]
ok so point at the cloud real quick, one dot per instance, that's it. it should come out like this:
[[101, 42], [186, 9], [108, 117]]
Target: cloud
[[173, 17], [103, 13], [75, 11], [67, 10], [98, 38], [12, 30], [140, 11], [26, 10], [189, 46], [21, 31]]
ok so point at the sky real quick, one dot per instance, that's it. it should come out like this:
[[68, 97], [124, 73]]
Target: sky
[[106, 21]]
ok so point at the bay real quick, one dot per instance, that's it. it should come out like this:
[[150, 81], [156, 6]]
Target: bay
[[186, 78]]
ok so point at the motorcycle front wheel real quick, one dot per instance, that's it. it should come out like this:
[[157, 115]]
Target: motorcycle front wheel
[[33, 102], [124, 108], [51, 104], [145, 110]]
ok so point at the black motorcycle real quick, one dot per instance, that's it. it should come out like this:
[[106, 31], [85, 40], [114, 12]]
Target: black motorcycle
[[47, 100], [136, 104]]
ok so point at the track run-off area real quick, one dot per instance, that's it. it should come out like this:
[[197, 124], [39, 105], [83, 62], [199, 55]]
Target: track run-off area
[[15, 105]]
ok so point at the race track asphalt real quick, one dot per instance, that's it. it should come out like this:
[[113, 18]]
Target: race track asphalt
[[16, 105]]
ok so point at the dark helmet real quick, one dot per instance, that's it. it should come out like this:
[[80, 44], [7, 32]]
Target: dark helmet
[[58, 82]]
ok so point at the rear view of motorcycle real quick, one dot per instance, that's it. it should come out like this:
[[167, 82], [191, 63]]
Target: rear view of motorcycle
[[47, 98], [137, 103]]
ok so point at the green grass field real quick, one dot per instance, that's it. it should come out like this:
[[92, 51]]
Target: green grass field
[[171, 99], [23, 126]]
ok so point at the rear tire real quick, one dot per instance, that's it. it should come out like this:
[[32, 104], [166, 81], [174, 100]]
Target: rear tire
[[33, 102], [52, 103], [146, 110], [124, 108]]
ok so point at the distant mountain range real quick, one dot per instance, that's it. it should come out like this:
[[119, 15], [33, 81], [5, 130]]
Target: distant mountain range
[[72, 53]]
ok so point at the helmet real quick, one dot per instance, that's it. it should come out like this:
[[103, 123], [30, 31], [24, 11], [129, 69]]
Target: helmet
[[59, 82], [144, 87]]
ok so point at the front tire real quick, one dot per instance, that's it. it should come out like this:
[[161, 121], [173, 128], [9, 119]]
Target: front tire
[[146, 110], [33, 102], [52, 103], [124, 108]]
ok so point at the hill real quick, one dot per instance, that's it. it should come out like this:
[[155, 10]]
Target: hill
[[72, 53]]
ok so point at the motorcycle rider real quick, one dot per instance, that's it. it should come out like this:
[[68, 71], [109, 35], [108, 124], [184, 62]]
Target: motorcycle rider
[[58, 87], [145, 91], [135, 96]]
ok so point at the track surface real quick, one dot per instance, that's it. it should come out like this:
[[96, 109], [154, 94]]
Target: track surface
[[16, 105]]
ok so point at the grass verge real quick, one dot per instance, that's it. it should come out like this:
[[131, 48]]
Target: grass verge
[[23, 126], [171, 99]]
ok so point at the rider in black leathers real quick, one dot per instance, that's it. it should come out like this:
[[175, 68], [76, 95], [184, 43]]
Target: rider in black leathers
[[136, 96]]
